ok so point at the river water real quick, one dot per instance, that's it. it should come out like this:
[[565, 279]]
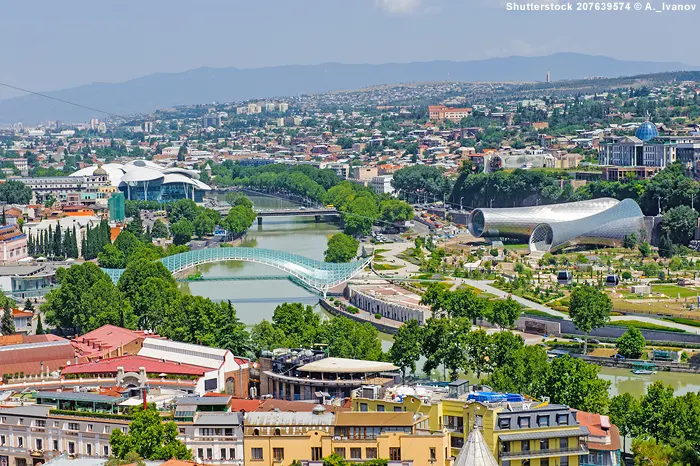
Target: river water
[[256, 300]]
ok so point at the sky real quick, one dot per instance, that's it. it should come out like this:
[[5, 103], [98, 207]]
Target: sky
[[49, 45]]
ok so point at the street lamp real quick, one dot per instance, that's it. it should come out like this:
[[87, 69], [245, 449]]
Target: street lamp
[[460, 203]]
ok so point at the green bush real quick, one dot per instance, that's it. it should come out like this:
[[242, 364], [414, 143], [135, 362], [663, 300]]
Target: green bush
[[377, 316]]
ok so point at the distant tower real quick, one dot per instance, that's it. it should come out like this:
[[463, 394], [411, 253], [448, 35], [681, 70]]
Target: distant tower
[[548, 80]]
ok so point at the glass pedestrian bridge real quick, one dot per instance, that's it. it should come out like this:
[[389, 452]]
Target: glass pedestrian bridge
[[318, 275]]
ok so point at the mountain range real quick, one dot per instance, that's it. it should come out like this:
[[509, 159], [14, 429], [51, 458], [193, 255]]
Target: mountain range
[[203, 85]]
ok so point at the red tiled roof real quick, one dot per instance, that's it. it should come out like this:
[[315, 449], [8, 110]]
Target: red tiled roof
[[29, 359], [105, 339], [21, 313], [18, 339], [246, 406], [594, 423], [132, 363]]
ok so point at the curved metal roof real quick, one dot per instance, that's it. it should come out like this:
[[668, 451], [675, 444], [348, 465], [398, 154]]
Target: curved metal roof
[[140, 174], [177, 178]]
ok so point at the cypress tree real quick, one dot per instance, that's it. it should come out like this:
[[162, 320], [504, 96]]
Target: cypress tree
[[7, 323], [39, 326], [57, 243], [75, 253]]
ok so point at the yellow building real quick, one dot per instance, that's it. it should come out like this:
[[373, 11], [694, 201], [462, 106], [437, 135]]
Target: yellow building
[[518, 433], [279, 438]]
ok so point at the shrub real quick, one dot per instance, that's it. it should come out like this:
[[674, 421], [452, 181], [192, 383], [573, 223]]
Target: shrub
[[377, 316]]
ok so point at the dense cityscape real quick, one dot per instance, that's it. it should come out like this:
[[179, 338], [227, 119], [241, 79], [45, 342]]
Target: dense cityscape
[[439, 273]]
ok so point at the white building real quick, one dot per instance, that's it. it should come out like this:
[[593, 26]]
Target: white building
[[382, 184]]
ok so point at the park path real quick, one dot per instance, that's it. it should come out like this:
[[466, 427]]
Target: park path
[[652, 320]]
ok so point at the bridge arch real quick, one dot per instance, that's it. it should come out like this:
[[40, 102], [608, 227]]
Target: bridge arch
[[318, 275]]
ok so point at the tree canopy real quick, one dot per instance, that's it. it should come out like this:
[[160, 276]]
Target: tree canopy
[[341, 248]]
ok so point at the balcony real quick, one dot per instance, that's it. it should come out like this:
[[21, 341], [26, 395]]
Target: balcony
[[514, 455]]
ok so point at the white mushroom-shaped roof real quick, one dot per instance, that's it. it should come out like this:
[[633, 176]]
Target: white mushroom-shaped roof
[[137, 174]]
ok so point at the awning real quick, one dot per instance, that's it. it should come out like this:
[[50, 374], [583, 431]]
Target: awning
[[544, 434]]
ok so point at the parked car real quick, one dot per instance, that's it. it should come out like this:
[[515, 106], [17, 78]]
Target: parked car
[[617, 356], [578, 340], [594, 341]]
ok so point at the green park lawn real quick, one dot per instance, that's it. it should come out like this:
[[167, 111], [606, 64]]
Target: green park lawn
[[672, 291]]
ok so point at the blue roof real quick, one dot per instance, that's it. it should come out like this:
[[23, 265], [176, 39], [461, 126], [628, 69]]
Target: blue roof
[[647, 131]]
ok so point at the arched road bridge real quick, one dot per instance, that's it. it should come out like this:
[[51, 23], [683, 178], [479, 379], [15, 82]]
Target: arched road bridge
[[320, 276]]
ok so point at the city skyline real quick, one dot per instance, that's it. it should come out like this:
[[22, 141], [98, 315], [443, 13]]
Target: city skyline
[[102, 43]]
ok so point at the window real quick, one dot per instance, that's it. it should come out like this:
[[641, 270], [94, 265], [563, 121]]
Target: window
[[278, 454], [232, 453], [278, 432], [256, 454], [316, 453], [397, 409], [395, 454], [105, 450], [363, 406], [3, 420], [523, 422], [20, 442], [40, 423], [73, 426], [371, 453], [55, 445], [433, 454], [88, 449], [340, 451], [210, 453], [222, 454], [89, 427], [3, 439], [39, 444], [56, 424], [505, 447], [71, 448], [544, 444], [355, 453], [525, 445], [564, 443], [564, 461], [562, 419], [256, 432], [380, 408], [200, 452], [544, 461], [543, 421]]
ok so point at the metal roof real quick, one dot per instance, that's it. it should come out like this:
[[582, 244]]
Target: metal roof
[[544, 434], [343, 365], [274, 418], [475, 452], [80, 396], [203, 400], [219, 419]]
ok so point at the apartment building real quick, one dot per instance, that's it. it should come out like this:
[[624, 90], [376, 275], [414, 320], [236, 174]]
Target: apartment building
[[440, 112], [518, 431], [279, 438], [32, 434], [13, 244]]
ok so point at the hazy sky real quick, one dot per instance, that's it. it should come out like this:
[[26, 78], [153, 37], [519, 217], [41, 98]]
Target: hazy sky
[[50, 44]]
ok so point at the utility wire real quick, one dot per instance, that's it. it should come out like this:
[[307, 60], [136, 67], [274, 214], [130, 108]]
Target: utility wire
[[62, 100]]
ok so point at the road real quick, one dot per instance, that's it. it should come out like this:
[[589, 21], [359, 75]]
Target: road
[[652, 320], [486, 287]]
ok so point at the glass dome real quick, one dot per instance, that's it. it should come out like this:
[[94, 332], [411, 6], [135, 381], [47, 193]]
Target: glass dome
[[647, 131]]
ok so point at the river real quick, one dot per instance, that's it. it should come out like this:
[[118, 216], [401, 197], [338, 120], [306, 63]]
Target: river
[[256, 300]]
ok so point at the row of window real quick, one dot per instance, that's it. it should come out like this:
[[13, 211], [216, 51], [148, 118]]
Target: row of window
[[224, 453], [524, 422], [544, 445], [256, 454], [563, 461], [39, 445]]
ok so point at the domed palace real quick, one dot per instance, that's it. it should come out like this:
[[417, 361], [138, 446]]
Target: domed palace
[[647, 131]]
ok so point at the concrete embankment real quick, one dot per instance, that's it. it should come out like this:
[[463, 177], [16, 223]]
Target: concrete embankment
[[362, 317]]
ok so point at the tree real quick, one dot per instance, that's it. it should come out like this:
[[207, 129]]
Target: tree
[[85, 300], [203, 225], [234, 199], [680, 223], [39, 326], [666, 247], [15, 192], [111, 258], [341, 248], [265, 336], [575, 383], [238, 220], [504, 312], [182, 231], [629, 241], [7, 323], [29, 306], [394, 210], [523, 373], [183, 208], [160, 229], [631, 344], [589, 309], [505, 345], [128, 244], [347, 338], [649, 452], [624, 411], [298, 323], [644, 249], [360, 214], [479, 352], [149, 437], [405, 350], [653, 409]]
